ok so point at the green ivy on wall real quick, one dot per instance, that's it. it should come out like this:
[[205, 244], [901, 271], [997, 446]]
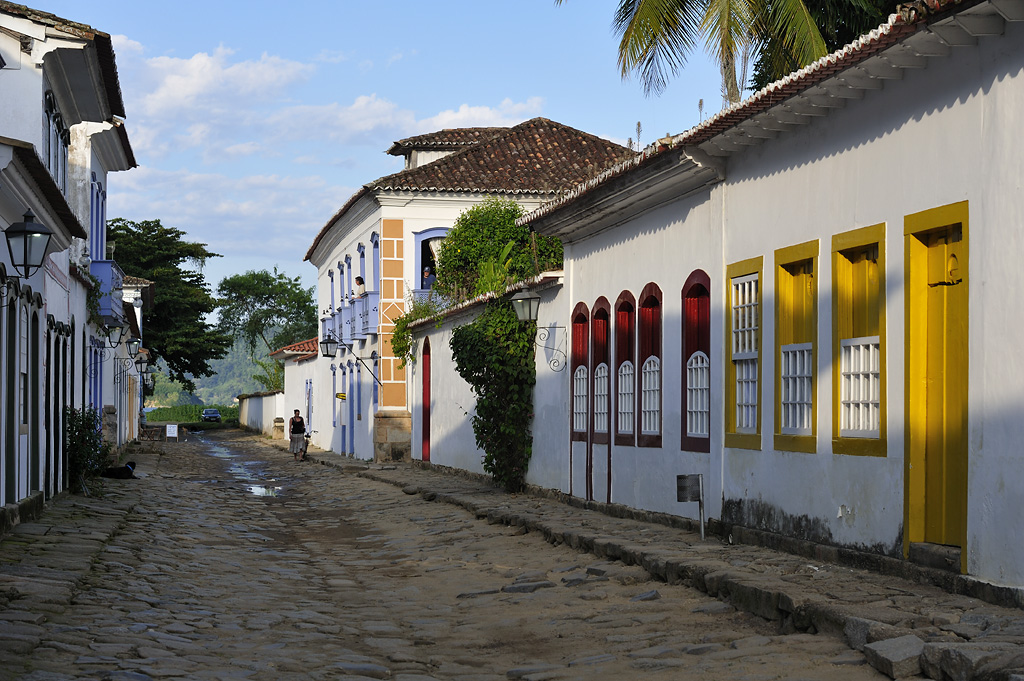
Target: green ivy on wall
[[494, 354]]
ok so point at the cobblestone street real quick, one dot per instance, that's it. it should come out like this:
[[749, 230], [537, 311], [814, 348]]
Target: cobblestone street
[[235, 562]]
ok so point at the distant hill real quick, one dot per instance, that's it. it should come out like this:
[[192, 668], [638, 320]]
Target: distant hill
[[233, 377]]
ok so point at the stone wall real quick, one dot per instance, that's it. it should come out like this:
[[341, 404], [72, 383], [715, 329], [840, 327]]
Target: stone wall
[[392, 436]]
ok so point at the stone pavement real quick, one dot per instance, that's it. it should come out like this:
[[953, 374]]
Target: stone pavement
[[904, 628], [189, 574]]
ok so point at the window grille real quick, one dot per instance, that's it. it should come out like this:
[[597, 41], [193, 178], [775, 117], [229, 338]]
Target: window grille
[[579, 399], [860, 392], [797, 389], [650, 412], [745, 321], [698, 395], [744, 317], [746, 396], [626, 385], [601, 398]]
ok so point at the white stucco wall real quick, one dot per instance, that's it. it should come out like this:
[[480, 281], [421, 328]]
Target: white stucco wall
[[452, 442], [941, 135]]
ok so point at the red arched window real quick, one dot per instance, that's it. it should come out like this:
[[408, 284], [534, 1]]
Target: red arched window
[[625, 369], [600, 371], [580, 372], [696, 360], [649, 359]]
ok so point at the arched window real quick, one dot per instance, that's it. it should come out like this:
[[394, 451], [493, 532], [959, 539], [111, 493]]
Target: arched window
[[625, 371], [580, 358], [600, 328], [696, 389], [649, 341]]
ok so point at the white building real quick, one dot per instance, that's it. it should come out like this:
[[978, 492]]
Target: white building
[[60, 137], [808, 299], [386, 234]]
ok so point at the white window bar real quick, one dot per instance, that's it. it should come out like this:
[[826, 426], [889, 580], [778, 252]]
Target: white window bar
[[744, 317], [797, 389], [746, 396], [650, 397], [601, 398], [698, 395], [627, 381], [860, 391], [579, 400]]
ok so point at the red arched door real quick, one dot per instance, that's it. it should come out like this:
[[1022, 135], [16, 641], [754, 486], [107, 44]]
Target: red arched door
[[425, 404]]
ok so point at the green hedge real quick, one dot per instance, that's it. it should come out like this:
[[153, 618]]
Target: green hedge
[[190, 413]]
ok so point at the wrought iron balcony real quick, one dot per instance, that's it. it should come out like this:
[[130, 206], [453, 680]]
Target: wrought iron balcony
[[111, 284]]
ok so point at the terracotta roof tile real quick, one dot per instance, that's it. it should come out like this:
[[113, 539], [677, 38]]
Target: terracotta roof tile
[[305, 347], [444, 139], [538, 156]]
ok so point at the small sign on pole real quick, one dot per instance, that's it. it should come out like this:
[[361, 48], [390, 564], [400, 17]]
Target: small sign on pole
[[340, 396], [691, 488], [172, 431]]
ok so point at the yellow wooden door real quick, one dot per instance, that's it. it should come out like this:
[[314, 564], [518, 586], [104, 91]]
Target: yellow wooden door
[[937, 363], [945, 455]]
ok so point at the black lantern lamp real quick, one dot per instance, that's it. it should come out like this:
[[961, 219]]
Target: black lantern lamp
[[329, 346], [116, 334], [133, 347], [527, 305], [141, 363], [27, 242]]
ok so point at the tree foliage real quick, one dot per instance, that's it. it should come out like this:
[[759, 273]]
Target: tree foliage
[[494, 354], [176, 330], [657, 36], [479, 236], [840, 23], [266, 308]]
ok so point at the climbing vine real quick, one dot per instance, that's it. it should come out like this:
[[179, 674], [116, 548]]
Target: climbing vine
[[92, 300], [494, 354], [402, 344]]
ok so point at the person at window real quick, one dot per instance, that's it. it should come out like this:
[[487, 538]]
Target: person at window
[[360, 291], [297, 433], [428, 278]]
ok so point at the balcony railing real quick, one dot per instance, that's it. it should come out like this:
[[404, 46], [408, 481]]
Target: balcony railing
[[111, 283]]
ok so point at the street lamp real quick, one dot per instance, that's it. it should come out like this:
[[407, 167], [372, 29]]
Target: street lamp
[[118, 332], [27, 242], [141, 363], [329, 345], [133, 346], [527, 307]]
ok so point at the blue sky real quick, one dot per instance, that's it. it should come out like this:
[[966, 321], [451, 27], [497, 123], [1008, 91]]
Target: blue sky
[[254, 122]]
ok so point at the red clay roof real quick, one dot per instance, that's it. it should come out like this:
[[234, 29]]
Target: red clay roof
[[538, 156], [305, 347], [444, 139]]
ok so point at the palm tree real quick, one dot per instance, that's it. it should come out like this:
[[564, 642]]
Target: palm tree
[[657, 36]]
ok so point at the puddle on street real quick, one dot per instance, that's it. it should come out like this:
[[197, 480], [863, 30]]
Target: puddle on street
[[264, 491], [251, 473]]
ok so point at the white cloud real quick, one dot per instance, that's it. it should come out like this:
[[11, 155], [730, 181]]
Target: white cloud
[[258, 216], [211, 81], [243, 149], [126, 45], [466, 116]]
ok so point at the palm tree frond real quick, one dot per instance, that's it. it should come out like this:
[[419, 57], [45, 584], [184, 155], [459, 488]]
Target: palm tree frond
[[656, 38]]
